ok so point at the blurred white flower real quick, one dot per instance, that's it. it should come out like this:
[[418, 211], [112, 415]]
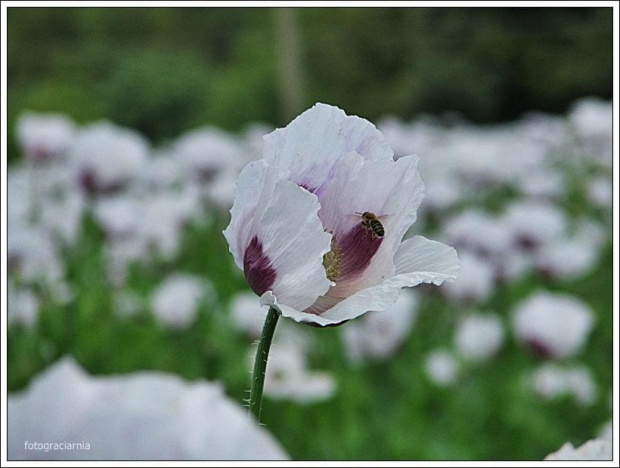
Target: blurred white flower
[[378, 335], [42, 199], [287, 376], [163, 171], [163, 216], [607, 432], [441, 368], [479, 336], [296, 234], [118, 216], [477, 153], [553, 324], [544, 183], [146, 226], [175, 301], [595, 449], [247, 314], [33, 256], [443, 193], [62, 217], [479, 233], [514, 264], [252, 140], [205, 152], [23, 306], [551, 381], [476, 282], [534, 223], [592, 121], [106, 157], [601, 191], [410, 138], [221, 191], [140, 416], [44, 137], [548, 131], [572, 256]]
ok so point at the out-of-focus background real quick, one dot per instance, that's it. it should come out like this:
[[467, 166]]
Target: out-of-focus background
[[127, 130]]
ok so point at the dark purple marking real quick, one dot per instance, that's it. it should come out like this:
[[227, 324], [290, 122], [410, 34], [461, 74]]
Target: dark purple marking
[[329, 325], [538, 348], [259, 273], [91, 185], [308, 187], [357, 248], [527, 243]]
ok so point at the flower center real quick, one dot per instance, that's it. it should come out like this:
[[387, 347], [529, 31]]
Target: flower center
[[331, 262]]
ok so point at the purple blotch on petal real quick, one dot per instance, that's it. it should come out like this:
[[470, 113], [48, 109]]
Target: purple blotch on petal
[[257, 267], [357, 248], [539, 348]]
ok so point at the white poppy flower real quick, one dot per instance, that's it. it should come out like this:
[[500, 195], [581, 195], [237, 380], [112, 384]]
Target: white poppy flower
[[479, 232], [534, 223], [479, 336], [595, 449], [204, 152], [247, 315], [441, 367], [106, 156], [288, 378], [296, 229], [592, 121], [44, 137], [378, 335], [176, 299], [552, 324], [601, 191], [139, 416], [476, 282], [23, 306], [551, 381]]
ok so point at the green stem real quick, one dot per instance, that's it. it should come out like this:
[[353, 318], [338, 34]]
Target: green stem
[[260, 363]]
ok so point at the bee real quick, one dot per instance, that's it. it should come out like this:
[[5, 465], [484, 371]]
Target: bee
[[371, 222]]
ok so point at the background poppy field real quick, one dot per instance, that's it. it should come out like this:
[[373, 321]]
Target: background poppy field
[[117, 201]]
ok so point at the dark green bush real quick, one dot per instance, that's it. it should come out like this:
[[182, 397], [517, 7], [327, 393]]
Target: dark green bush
[[161, 94]]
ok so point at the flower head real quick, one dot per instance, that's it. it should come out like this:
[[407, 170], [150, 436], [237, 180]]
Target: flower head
[[107, 157], [553, 325], [44, 137], [138, 416], [317, 225]]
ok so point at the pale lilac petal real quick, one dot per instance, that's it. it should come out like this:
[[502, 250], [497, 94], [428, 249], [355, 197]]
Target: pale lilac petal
[[418, 260], [254, 187], [277, 238], [434, 261], [308, 147], [138, 416], [393, 191], [294, 239]]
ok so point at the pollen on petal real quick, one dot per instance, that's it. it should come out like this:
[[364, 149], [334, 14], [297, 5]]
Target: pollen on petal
[[331, 262], [257, 267], [357, 248]]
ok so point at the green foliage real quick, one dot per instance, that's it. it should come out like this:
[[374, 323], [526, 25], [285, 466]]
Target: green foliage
[[163, 70], [381, 410], [159, 93]]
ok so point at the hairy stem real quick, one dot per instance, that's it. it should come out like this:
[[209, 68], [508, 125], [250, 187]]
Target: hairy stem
[[260, 363]]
